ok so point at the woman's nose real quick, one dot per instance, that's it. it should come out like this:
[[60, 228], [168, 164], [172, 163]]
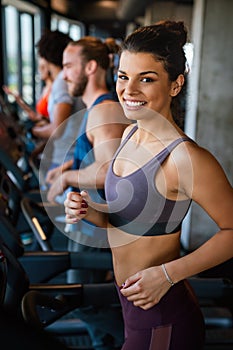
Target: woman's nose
[[131, 86]]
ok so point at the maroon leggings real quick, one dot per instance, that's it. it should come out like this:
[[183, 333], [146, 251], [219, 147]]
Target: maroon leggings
[[175, 323]]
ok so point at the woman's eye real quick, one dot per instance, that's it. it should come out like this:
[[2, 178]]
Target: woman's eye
[[147, 80], [122, 77]]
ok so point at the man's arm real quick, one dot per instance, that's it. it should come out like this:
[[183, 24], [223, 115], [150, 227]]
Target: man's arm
[[104, 130]]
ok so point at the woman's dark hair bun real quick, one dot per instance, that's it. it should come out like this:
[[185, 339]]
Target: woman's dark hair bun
[[177, 29]]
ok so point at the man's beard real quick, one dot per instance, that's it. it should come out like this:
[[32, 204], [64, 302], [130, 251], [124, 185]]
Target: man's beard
[[79, 87]]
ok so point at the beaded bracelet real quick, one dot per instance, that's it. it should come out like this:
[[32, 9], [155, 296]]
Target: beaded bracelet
[[167, 275]]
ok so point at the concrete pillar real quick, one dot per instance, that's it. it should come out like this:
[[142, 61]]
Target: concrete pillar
[[161, 10], [214, 93]]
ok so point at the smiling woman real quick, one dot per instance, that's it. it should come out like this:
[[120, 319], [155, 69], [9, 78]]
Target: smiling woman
[[131, 82], [159, 173], [154, 176]]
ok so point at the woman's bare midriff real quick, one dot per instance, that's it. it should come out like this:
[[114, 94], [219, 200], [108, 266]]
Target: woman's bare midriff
[[134, 253]]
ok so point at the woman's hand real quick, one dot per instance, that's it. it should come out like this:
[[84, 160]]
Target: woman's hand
[[31, 114], [146, 287], [76, 207], [11, 92]]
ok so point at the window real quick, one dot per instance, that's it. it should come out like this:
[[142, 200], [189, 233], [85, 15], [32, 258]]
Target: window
[[74, 29], [22, 28], [27, 47], [11, 58]]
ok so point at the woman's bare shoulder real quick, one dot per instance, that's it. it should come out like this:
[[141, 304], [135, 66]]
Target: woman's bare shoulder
[[127, 130], [200, 155]]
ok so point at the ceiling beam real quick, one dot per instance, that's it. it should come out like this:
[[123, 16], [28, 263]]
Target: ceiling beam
[[129, 9]]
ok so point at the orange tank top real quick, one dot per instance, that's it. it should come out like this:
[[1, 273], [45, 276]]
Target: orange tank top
[[42, 105]]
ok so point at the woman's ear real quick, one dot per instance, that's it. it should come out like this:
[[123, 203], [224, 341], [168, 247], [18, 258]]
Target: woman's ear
[[176, 85]]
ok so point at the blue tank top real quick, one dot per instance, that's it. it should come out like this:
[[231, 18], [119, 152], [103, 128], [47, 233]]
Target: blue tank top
[[135, 204], [83, 157], [83, 152]]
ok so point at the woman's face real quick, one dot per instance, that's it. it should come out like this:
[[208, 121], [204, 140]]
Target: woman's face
[[43, 68], [143, 83]]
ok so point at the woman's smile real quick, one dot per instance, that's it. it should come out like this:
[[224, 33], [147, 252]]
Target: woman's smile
[[133, 104]]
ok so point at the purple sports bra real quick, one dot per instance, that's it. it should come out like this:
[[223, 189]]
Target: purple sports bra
[[136, 206]]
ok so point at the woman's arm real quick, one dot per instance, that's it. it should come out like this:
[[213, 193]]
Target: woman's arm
[[213, 192], [61, 112]]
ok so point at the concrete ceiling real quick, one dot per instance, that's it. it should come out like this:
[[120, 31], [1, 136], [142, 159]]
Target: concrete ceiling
[[110, 16]]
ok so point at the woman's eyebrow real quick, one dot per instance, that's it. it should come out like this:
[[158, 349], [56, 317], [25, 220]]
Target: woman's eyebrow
[[149, 72], [141, 73], [121, 71]]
